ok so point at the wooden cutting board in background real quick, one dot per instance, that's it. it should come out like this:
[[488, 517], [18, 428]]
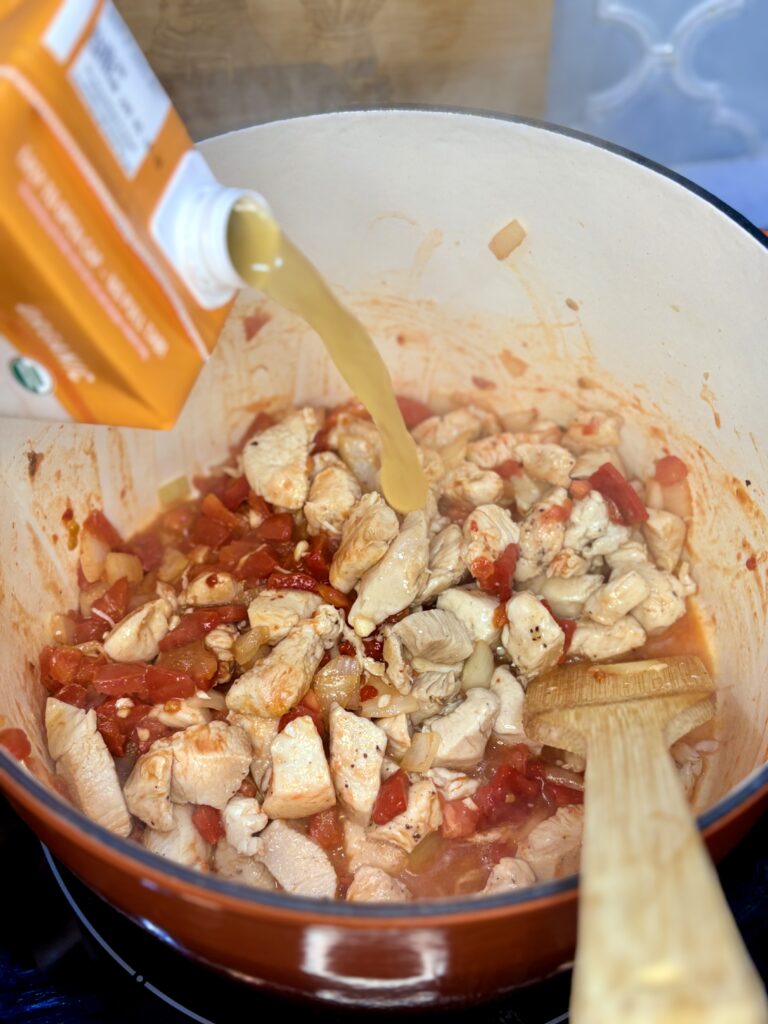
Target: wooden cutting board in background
[[230, 63]]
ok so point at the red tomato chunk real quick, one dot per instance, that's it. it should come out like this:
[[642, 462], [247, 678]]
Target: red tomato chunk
[[670, 470], [276, 527], [325, 829], [413, 411], [392, 799], [612, 485], [460, 819], [16, 743], [199, 623], [208, 822], [497, 577]]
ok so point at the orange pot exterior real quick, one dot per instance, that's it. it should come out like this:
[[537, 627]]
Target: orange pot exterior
[[411, 961]]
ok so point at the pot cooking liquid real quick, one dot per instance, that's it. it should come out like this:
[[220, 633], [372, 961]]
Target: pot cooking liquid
[[295, 284]]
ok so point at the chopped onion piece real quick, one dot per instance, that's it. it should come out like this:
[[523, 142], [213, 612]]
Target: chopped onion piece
[[90, 594], [173, 490], [118, 565], [172, 566], [422, 752], [93, 554], [478, 668], [338, 682], [62, 629], [677, 499], [213, 700], [388, 705], [246, 647]]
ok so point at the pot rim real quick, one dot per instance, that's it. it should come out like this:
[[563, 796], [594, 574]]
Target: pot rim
[[59, 811]]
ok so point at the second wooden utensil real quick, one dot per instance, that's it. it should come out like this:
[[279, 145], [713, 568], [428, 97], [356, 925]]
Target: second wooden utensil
[[656, 941]]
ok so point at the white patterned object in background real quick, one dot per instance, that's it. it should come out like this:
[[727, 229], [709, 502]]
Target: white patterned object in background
[[677, 80]]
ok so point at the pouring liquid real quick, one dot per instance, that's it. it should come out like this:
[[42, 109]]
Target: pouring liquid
[[292, 281]]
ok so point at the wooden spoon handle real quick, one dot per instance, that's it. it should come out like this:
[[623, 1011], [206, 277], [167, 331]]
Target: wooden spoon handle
[[657, 943]]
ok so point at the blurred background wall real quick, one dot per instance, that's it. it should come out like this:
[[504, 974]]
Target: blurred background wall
[[682, 81]]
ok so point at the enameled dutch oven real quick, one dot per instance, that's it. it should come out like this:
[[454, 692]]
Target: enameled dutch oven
[[631, 290]]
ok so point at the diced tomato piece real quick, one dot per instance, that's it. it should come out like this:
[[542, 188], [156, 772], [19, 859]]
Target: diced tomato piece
[[180, 519], [199, 623], [151, 731], [148, 548], [164, 684], [231, 554], [325, 829], [670, 470], [73, 693], [500, 618], [278, 526], [413, 411], [16, 743], [194, 660], [114, 602], [568, 627], [496, 577], [317, 561], [579, 489], [611, 484], [259, 505], [518, 757], [92, 628], [304, 708], [292, 581], [248, 788], [508, 468], [368, 692], [374, 647], [557, 513], [257, 566], [392, 799], [116, 725], [213, 507], [460, 819], [210, 532], [235, 492], [118, 680], [98, 524], [209, 823], [333, 596], [561, 796], [60, 666], [508, 796], [346, 648]]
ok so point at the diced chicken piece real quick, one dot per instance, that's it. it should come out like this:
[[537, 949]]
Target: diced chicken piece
[[359, 445], [362, 850], [567, 597], [629, 555], [393, 583], [542, 533], [548, 462], [209, 763], [524, 491], [332, 496], [439, 431], [539, 432], [434, 691], [664, 604], [136, 637], [464, 732], [301, 782], [552, 848], [181, 843], [261, 732], [519, 419], [690, 764], [590, 461], [469, 484], [211, 589], [567, 564], [589, 430], [321, 461], [397, 729], [357, 752], [237, 867], [615, 599], [492, 451], [664, 533], [243, 821], [599, 643], [437, 637], [509, 874], [372, 885], [365, 537], [147, 791], [274, 685], [445, 567], [180, 713], [85, 764], [475, 609], [221, 641], [278, 611], [532, 638], [276, 461], [452, 785], [421, 817], [398, 672], [487, 532], [509, 721], [300, 866], [590, 531], [687, 581], [432, 463]]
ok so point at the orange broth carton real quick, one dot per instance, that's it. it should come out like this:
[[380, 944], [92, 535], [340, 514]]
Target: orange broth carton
[[114, 274]]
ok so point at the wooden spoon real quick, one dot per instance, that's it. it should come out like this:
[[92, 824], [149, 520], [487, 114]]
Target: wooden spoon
[[656, 941]]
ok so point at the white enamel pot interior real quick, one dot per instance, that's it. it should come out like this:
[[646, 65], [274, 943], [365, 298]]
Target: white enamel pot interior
[[631, 290]]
